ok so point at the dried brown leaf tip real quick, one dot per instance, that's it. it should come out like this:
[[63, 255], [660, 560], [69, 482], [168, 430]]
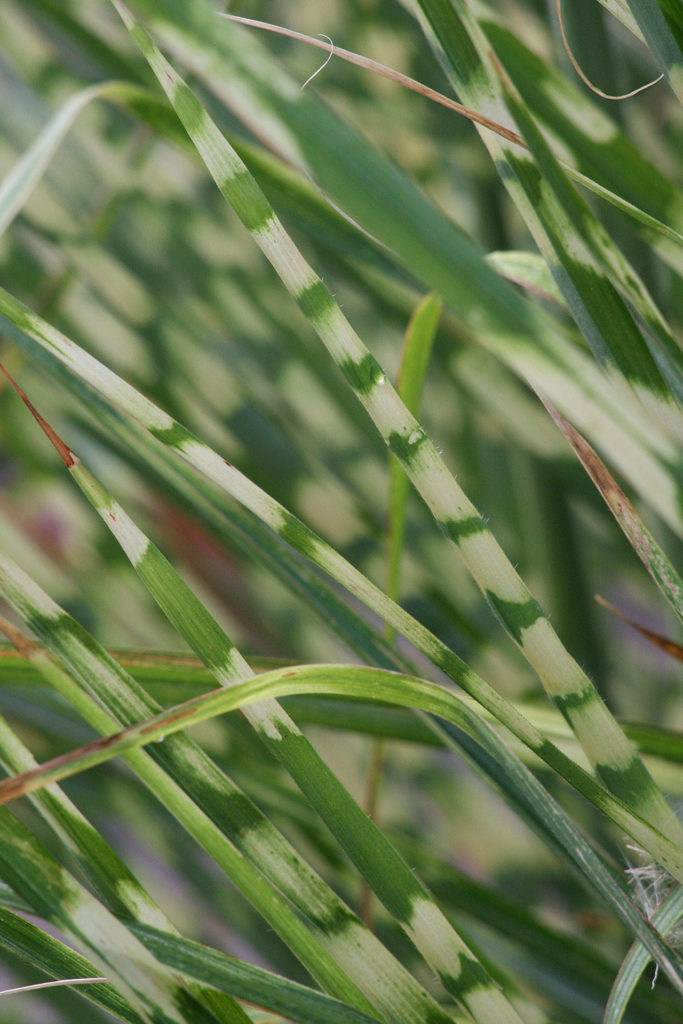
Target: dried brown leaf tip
[[664, 644], [63, 449]]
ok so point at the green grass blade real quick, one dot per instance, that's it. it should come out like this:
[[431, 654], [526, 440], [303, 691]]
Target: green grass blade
[[203, 458], [552, 955], [198, 962], [172, 678], [115, 884], [294, 531], [399, 216], [604, 157], [388, 206], [417, 347], [592, 262]]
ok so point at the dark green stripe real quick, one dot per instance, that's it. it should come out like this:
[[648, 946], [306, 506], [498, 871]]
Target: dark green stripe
[[247, 200], [406, 448], [334, 921], [516, 616], [294, 532], [363, 376], [630, 784], [316, 300], [472, 978], [172, 437], [578, 700], [458, 529]]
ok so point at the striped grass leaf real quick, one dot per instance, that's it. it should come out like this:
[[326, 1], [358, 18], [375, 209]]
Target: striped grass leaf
[[329, 560], [662, 749], [244, 981], [573, 230], [601, 737], [385, 871], [430, 247], [246, 531], [235, 813], [588, 268], [317, 961], [62, 352], [562, 959], [550, 952], [402, 225], [368, 643], [179, 440], [394, 689], [417, 346], [597, 144], [222, 816], [349, 682], [54, 958], [197, 962]]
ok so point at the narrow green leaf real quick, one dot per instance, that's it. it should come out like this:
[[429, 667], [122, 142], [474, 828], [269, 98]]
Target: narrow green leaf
[[373, 193], [417, 346], [580, 254], [591, 261], [294, 531]]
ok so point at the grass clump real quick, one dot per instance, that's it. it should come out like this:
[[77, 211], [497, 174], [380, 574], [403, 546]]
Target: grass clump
[[353, 502]]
